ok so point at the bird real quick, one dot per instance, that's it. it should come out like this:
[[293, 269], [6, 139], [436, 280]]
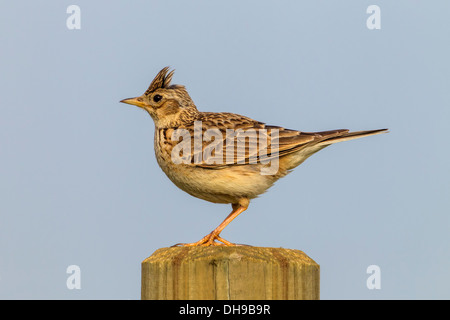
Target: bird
[[223, 157]]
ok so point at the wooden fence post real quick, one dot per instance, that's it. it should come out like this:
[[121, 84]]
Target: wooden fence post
[[229, 273]]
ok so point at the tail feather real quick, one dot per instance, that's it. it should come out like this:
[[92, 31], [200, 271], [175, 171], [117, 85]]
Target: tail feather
[[350, 136]]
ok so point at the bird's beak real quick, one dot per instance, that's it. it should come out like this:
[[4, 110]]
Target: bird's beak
[[134, 101]]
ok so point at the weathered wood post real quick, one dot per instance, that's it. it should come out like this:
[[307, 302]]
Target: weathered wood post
[[229, 273]]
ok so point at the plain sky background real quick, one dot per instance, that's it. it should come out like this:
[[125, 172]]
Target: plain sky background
[[79, 183]]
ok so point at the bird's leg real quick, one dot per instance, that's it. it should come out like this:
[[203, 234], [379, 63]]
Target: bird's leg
[[209, 240]]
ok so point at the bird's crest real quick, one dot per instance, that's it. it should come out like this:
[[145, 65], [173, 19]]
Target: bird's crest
[[162, 80]]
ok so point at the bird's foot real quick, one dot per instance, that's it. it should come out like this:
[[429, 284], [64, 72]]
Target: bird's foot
[[209, 240]]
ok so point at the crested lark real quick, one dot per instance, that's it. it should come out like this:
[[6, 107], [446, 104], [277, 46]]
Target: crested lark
[[214, 169]]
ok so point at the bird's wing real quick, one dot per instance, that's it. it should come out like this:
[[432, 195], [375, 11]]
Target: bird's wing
[[220, 140]]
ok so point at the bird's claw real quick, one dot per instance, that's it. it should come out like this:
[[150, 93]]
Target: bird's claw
[[209, 240]]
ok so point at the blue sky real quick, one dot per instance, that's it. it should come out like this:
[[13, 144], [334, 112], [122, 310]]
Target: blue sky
[[80, 185]]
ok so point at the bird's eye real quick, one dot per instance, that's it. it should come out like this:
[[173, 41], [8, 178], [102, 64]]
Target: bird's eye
[[157, 98]]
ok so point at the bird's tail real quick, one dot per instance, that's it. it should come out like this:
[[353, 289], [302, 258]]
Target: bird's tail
[[345, 136]]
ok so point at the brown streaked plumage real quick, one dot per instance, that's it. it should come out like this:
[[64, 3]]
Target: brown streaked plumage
[[229, 158]]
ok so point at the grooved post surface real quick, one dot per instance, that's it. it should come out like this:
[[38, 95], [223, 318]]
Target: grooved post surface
[[229, 273]]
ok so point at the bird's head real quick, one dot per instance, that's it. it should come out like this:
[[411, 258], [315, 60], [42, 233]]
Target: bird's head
[[168, 105]]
